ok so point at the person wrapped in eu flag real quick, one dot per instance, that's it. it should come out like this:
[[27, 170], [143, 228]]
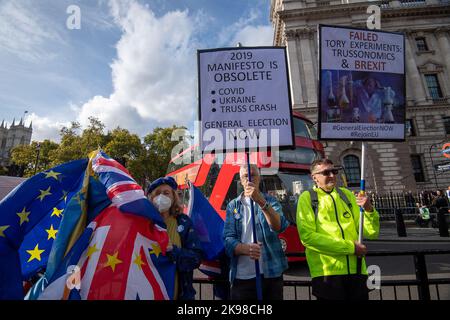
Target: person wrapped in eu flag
[[84, 223]]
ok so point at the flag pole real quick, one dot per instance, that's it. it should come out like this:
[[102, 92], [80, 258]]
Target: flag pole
[[255, 240], [361, 209], [252, 211]]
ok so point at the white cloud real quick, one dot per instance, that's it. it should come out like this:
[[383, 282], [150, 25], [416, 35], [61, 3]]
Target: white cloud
[[24, 32], [254, 36], [154, 74], [45, 127], [245, 32]]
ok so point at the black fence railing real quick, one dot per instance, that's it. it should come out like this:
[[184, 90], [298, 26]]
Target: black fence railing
[[422, 287], [388, 201], [400, 207], [405, 206]]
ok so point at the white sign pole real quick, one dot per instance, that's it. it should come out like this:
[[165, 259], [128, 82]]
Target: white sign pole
[[363, 188], [361, 209]]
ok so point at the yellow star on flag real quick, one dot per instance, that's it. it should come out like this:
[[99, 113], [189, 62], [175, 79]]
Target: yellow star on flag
[[3, 228], [24, 216], [44, 193], [156, 249], [52, 174], [92, 250], [138, 261], [57, 212], [35, 253], [113, 261], [51, 232]]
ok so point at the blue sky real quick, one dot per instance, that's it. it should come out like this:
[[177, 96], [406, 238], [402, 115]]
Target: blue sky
[[131, 64]]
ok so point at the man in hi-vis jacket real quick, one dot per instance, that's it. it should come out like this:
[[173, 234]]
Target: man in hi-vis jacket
[[328, 224]]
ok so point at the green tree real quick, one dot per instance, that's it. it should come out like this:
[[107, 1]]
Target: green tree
[[27, 156], [158, 152], [75, 146], [93, 137], [128, 149], [145, 160], [70, 146]]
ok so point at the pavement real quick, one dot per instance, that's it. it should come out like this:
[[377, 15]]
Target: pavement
[[388, 232]]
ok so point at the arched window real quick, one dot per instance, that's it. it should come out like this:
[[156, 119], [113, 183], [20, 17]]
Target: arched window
[[352, 170]]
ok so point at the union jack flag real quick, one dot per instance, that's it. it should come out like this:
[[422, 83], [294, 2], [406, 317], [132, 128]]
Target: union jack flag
[[114, 267], [120, 254], [122, 189]]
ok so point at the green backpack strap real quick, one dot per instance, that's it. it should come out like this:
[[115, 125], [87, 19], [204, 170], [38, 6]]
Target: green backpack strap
[[314, 201], [345, 198]]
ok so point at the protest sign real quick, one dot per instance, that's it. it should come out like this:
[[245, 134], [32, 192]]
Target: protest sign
[[361, 84]]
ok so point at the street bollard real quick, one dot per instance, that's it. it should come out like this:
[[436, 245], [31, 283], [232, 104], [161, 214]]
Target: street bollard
[[401, 229], [442, 222]]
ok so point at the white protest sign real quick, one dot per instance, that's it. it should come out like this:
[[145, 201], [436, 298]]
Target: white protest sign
[[244, 98], [362, 84]]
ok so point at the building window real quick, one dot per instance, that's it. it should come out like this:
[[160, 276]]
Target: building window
[[352, 170], [433, 86], [446, 124], [410, 129], [416, 162], [421, 44]]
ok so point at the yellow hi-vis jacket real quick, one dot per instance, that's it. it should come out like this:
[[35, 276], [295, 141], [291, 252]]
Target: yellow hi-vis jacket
[[329, 238]]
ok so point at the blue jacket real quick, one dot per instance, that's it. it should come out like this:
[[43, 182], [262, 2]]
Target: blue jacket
[[274, 259], [186, 258]]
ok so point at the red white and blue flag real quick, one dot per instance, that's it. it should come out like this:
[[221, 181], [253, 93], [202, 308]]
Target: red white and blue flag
[[122, 189], [120, 254], [118, 267]]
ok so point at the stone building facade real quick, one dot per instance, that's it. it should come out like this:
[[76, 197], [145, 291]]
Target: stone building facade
[[13, 136], [396, 166]]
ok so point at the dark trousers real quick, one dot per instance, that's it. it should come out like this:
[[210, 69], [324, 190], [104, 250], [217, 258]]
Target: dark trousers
[[272, 289], [346, 287]]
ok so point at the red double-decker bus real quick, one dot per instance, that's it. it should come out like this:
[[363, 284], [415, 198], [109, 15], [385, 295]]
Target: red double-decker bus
[[219, 180]]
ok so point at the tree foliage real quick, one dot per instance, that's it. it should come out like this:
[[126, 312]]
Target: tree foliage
[[158, 146], [146, 159], [26, 157]]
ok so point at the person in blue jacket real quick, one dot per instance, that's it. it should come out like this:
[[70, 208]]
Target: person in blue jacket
[[184, 247], [242, 250]]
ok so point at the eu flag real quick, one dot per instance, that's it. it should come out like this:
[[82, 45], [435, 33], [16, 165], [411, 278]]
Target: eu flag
[[207, 223], [85, 219], [29, 221]]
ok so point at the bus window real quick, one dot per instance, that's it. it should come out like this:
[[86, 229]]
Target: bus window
[[184, 197], [296, 183], [234, 190], [174, 167], [300, 128], [286, 188], [192, 154], [312, 130], [211, 179], [299, 156]]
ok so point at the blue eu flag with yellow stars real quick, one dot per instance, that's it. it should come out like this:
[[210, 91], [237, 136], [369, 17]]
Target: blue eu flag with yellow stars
[[30, 217]]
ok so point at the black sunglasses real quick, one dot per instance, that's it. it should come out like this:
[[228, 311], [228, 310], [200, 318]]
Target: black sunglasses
[[328, 172]]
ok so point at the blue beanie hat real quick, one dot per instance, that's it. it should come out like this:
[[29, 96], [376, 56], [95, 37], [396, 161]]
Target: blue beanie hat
[[164, 180]]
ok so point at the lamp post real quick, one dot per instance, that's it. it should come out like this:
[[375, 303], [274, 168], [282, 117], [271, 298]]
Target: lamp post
[[38, 149]]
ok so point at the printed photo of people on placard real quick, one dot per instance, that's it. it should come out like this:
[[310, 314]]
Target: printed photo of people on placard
[[362, 97]]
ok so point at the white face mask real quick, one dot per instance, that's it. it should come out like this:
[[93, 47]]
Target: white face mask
[[162, 203]]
